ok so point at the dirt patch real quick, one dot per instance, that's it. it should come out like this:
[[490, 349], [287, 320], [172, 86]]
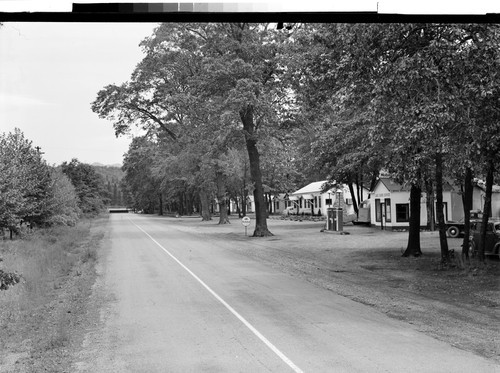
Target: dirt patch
[[43, 317], [458, 306]]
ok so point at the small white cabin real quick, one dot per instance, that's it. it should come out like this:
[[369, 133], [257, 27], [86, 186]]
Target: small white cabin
[[311, 200], [390, 204]]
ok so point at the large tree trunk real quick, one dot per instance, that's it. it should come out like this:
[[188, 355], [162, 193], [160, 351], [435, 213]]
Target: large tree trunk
[[238, 209], [247, 119], [429, 191], [205, 206], [358, 190], [439, 207], [244, 202], [467, 203], [353, 196], [373, 181], [413, 247], [487, 208], [160, 198], [189, 203], [221, 198], [244, 190]]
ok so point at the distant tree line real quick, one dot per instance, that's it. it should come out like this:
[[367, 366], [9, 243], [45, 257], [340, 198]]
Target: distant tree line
[[112, 177], [235, 108], [32, 193]]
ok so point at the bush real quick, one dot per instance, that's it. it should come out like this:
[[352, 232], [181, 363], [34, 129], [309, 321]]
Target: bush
[[8, 279]]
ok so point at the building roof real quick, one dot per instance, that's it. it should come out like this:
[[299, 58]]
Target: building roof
[[315, 187], [393, 186]]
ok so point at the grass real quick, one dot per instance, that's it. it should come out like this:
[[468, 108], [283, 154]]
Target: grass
[[45, 260], [41, 259]]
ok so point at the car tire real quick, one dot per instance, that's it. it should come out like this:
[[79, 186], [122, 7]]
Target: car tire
[[496, 250], [453, 231]]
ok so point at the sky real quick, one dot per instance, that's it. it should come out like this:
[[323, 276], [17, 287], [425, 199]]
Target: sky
[[51, 72], [49, 75]]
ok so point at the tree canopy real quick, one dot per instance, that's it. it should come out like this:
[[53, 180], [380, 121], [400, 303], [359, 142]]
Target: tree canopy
[[32, 192], [312, 101]]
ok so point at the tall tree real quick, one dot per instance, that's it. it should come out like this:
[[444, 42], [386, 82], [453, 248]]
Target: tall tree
[[223, 74], [481, 84], [143, 185], [89, 185], [61, 207], [24, 181], [399, 81]]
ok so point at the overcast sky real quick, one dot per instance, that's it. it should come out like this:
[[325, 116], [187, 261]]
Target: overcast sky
[[49, 75], [51, 72]]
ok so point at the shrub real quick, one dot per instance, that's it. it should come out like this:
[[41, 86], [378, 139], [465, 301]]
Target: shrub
[[8, 279]]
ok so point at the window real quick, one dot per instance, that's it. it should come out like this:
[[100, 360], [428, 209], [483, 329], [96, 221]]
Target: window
[[319, 203], [348, 201], [328, 202], [315, 202], [388, 210], [402, 212], [378, 210]]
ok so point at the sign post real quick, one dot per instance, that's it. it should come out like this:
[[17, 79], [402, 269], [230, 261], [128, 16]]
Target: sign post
[[245, 222]]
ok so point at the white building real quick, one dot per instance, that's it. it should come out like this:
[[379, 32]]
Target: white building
[[312, 200], [390, 204]]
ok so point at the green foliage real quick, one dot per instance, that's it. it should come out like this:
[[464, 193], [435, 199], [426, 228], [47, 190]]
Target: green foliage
[[112, 177], [393, 96], [418, 100], [8, 279], [30, 190], [139, 180], [193, 86], [342, 101], [89, 186], [62, 204], [24, 181]]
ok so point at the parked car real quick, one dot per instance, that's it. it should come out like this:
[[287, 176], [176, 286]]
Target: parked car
[[455, 229], [492, 246]]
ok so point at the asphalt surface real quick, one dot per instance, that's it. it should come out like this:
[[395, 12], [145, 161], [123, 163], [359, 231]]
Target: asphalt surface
[[175, 301]]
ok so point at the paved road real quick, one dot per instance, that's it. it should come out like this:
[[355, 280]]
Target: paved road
[[176, 302]]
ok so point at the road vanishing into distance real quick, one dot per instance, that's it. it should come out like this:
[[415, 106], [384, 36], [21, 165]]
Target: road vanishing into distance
[[172, 300]]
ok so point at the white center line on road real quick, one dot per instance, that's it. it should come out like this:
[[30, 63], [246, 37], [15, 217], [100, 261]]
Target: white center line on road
[[273, 348]]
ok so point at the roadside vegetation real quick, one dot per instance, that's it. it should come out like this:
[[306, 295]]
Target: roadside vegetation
[[50, 229], [40, 314], [34, 194]]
